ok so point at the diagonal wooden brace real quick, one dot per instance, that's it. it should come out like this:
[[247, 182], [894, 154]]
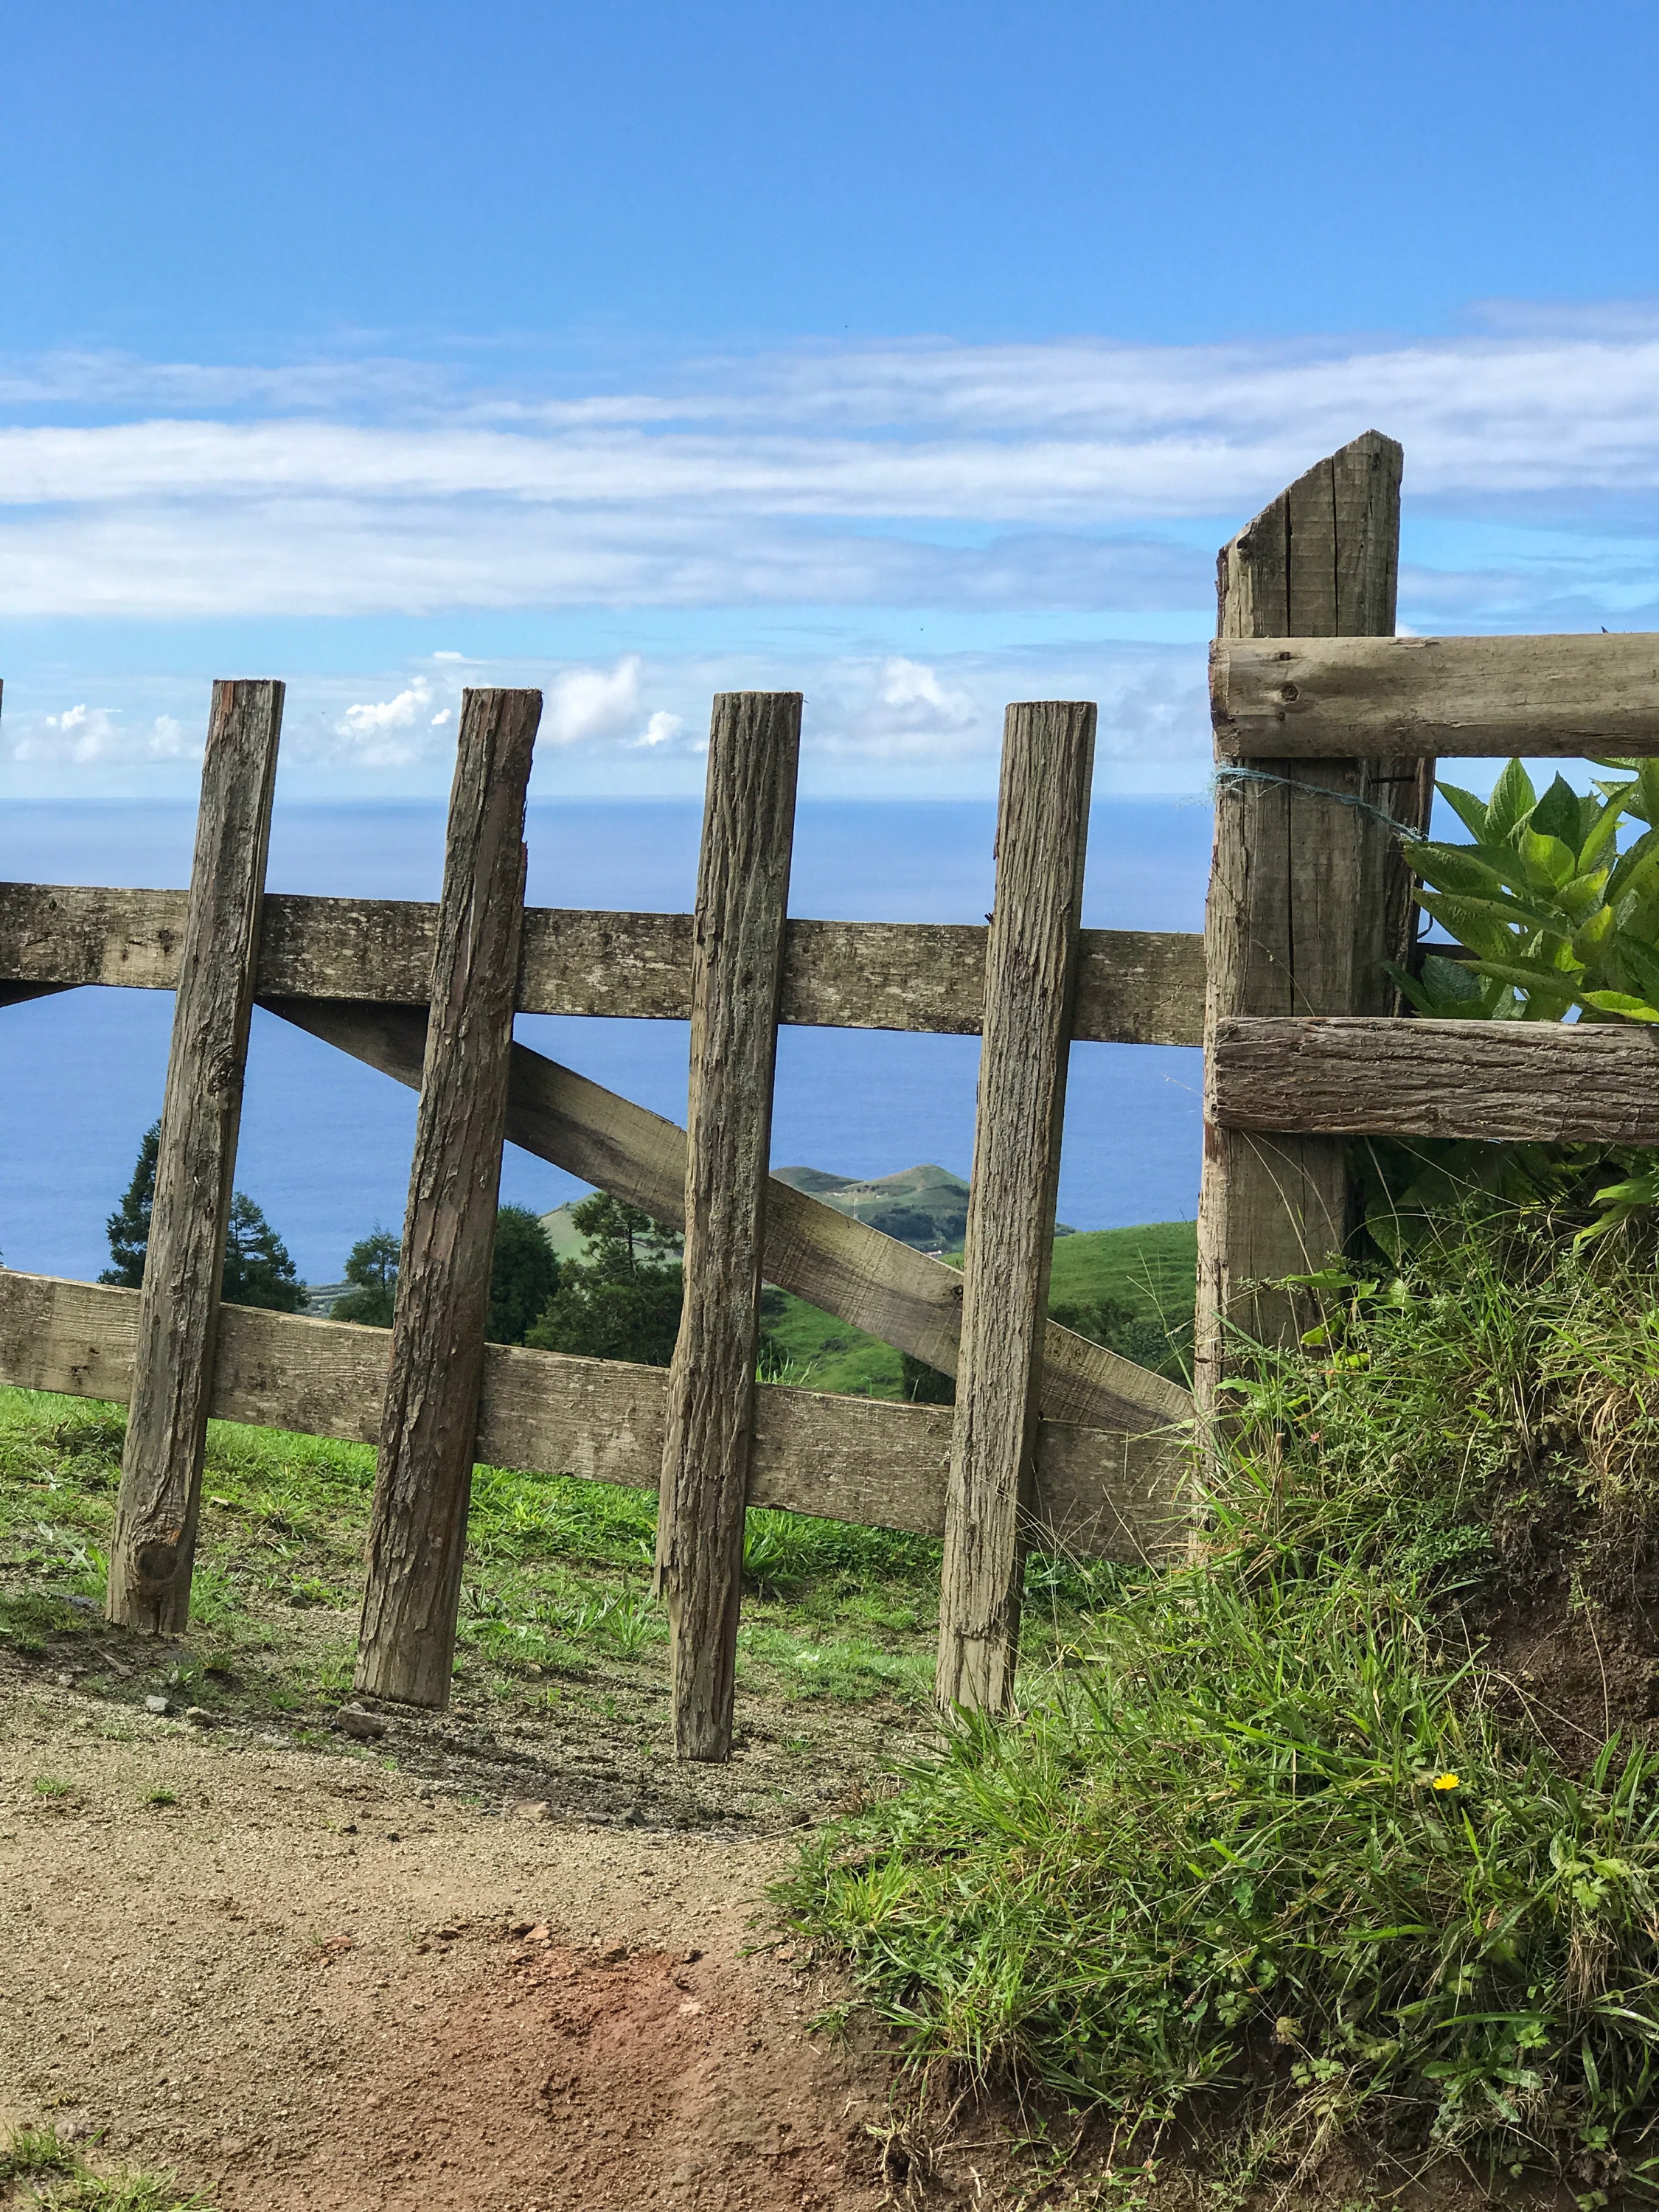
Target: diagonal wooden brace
[[844, 1267]]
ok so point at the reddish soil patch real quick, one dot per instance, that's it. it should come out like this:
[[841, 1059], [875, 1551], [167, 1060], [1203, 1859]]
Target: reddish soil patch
[[296, 1979], [570, 2081]]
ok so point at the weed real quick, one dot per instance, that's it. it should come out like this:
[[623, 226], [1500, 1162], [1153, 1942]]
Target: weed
[[30, 2152], [52, 1786], [41, 2154]]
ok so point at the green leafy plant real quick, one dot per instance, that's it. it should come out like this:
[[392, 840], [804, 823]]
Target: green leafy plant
[[1554, 921], [1556, 917]]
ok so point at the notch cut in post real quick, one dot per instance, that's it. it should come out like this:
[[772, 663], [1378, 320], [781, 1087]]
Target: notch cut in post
[[423, 1474], [153, 1551], [1309, 893], [1031, 974], [737, 978]]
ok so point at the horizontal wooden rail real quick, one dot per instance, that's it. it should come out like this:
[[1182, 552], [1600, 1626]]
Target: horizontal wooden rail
[[844, 1266], [1548, 1082], [863, 1460], [1134, 987], [1283, 698]]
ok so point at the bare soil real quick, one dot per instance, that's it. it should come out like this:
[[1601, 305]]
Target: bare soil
[[295, 1978]]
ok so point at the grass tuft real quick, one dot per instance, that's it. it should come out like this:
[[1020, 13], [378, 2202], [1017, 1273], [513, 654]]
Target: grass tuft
[[1278, 1854], [41, 2155]]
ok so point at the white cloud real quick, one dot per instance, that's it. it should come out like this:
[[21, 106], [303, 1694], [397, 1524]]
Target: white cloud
[[586, 704], [84, 737], [908, 474], [386, 714], [661, 728]]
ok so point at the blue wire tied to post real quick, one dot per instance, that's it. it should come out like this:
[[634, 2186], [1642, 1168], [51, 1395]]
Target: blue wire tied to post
[[1403, 830]]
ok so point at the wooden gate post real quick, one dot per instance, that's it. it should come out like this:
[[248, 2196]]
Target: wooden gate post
[[153, 1547], [1030, 969], [423, 1477], [1309, 889], [736, 977]]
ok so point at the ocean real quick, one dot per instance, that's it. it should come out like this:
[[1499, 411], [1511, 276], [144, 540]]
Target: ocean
[[325, 1143]]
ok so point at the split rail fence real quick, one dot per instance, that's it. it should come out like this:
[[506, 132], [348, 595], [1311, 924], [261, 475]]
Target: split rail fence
[[1326, 729]]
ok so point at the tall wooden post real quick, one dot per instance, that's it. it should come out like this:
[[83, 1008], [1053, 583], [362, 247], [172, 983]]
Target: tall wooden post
[[1308, 888], [154, 1547], [1030, 970], [423, 1480], [737, 978]]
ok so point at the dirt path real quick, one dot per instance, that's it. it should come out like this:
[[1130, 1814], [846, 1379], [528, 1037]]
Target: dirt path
[[300, 1979]]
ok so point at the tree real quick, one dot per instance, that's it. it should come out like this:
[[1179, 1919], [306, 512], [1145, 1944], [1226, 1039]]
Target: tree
[[129, 1226], [372, 1270], [258, 1270], [524, 1274], [622, 1299]]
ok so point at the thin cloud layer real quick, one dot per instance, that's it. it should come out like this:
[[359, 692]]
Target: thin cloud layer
[[1062, 475], [887, 494]]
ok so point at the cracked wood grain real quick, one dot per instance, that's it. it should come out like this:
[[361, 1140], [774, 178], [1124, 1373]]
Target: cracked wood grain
[[1308, 894], [153, 1543], [1042, 818], [737, 981], [423, 1472]]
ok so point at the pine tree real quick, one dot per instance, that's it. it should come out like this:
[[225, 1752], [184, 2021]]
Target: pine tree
[[622, 1299], [257, 1269], [129, 1226]]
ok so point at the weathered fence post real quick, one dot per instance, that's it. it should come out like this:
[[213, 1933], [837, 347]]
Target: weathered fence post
[[1309, 889], [1030, 968], [423, 1478], [736, 976], [153, 1547]]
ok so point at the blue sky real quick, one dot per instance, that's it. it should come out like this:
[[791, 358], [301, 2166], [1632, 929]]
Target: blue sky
[[917, 357]]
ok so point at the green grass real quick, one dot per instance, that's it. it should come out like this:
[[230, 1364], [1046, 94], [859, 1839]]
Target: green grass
[[1276, 1852], [1151, 1270], [60, 2180], [556, 1596]]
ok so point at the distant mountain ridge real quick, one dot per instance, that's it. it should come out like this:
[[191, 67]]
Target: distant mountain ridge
[[925, 1205]]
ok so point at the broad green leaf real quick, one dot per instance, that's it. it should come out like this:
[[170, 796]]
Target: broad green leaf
[[1556, 814], [1453, 981], [1632, 859], [1592, 934], [1599, 834], [1470, 811], [1640, 963], [1619, 1002], [1583, 895], [1554, 861], [1456, 868], [1512, 800], [1470, 925], [1518, 913], [1647, 775]]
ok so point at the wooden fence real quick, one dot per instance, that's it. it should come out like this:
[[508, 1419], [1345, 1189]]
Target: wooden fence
[[1053, 1439], [1326, 726]]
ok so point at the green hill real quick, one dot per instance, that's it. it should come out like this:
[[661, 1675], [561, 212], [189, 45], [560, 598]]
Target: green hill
[[1150, 1270], [1145, 1278]]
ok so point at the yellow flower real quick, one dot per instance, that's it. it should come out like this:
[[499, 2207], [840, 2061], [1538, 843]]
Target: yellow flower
[[1446, 1782]]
